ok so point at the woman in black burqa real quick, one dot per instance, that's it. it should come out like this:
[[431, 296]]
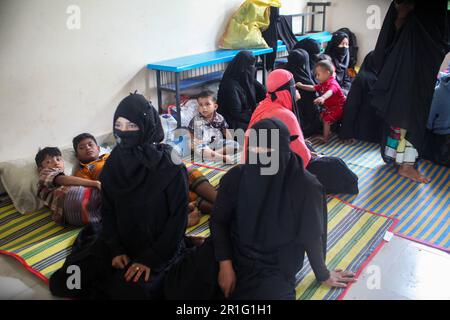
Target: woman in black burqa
[[239, 91], [410, 49], [144, 204], [144, 214], [299, 65], [314, 51], [360, 120], [263, 224], [338, 50]]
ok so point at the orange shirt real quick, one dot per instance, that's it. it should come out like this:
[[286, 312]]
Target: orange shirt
[[92, 169]]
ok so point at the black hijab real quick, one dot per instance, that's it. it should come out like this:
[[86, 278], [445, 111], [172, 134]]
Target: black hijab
[[339, 56], [407, 61], [139, 164], [243, 71], [298, 64], [313, 48], [278, 210]]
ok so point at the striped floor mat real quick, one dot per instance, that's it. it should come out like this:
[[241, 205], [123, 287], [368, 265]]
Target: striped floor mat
[[354, 237], [423, 210]]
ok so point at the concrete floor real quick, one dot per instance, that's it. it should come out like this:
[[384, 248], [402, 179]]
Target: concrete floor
[[401, 270]]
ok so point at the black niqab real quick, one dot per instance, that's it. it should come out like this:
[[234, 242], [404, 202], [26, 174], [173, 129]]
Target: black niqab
[[143, 166], [282, 209], [298, 64], [340, 57]]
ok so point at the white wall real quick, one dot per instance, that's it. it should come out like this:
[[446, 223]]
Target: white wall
[[353, 14], [56, 83]]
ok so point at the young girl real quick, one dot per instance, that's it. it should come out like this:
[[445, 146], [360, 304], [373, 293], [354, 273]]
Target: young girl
[[332, 97]]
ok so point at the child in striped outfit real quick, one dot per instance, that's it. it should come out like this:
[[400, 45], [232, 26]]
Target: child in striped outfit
[[72, 200]]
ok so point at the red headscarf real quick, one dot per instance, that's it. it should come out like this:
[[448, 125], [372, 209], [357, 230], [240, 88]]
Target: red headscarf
[[280, 104]]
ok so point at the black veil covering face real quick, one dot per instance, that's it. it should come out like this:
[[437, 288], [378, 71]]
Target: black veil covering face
[[340, 57], [272, 210], [139, 158], [289, 86], [299, 65], [239, 89], [407, 61], [264, 223]]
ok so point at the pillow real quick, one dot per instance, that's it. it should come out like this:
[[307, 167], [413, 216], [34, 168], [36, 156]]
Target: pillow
[[20, 177]]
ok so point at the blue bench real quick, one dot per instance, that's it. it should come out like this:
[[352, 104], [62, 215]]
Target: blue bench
[[192, 71], [320, 37]]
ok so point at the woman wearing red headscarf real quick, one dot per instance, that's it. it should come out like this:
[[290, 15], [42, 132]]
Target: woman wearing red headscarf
[[280, 103]]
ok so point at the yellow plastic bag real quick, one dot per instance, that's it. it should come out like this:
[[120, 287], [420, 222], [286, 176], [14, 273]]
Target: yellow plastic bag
[[245, 26]]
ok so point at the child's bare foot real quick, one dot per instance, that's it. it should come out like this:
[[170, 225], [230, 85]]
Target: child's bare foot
[[410, 172], [323, 139], [194, 218]]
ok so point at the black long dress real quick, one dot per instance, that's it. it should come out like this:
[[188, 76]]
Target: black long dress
[[360, 120], [407, 61], [144, 213], [265, 223], [298, 64], [341, 60], [239, 91]]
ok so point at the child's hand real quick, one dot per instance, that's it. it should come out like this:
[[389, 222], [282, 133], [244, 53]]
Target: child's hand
[[299, 85], [319, 101]]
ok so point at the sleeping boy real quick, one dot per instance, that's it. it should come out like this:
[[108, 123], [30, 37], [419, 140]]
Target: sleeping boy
[[72, 200]]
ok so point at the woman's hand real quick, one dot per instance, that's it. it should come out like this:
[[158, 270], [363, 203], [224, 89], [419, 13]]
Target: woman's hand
[[135, 271], [120, 262], [98, 185], [340, 279], [227, 278]]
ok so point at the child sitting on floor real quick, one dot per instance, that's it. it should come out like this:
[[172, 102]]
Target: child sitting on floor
[[72, 200], [87, 152], [332, 96], [209, 131]]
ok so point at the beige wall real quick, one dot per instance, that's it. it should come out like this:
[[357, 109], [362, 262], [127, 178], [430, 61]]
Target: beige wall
[[56, 82], [353, 14]]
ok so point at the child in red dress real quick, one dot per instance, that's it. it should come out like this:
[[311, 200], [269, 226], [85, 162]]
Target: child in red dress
[[332, 97]]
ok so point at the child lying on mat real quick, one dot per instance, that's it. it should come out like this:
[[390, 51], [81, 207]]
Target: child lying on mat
[[72, 200], [87, 152], [209, 131], [332, 97]]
